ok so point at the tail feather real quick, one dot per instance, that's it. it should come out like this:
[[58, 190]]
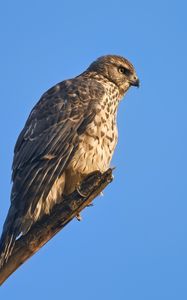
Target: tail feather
[[8, 237], [6, 246]]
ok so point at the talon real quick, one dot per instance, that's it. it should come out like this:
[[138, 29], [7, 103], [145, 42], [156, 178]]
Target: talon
[[80, 193], [79, 218], [90, 205]]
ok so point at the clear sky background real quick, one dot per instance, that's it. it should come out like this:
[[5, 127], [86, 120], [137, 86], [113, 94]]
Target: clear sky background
[[133, 243]]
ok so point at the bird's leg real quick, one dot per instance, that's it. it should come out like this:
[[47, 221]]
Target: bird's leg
[[78, 190], [87, 177], [78, 216]]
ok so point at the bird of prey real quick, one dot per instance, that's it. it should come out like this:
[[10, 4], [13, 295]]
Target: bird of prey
[[70, 133]]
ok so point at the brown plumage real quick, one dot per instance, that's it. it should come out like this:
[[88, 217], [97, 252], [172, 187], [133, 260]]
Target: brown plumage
[[70, 133]]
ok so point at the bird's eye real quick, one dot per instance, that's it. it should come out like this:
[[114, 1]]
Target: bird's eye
[[124, 70]]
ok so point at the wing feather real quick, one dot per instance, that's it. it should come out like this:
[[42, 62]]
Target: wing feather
[[45, 147], [52, 130]]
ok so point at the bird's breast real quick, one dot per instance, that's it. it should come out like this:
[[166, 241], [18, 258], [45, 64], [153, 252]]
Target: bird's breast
[[98, 142]]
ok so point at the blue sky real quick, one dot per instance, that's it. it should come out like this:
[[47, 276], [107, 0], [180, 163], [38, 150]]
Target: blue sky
[[132, 243]]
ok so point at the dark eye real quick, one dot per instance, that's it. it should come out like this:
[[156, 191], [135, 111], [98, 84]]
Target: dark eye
[[124, 70]]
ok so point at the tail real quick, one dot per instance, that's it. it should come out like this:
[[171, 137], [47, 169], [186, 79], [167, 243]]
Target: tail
[[8, 237], [6, 246]]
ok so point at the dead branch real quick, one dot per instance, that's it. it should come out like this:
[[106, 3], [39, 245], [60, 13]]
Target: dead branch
[[49, 225]]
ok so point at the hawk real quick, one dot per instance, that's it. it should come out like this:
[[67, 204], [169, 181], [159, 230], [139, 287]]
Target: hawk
[[70, 133]]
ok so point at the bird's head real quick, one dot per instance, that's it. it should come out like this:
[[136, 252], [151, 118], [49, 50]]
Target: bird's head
[[117, 70]]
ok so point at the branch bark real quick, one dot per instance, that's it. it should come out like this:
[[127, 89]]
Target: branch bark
[[59, 217]]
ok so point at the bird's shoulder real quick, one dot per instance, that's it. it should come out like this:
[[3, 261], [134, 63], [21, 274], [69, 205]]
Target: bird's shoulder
[[66, 95], [65, 109]]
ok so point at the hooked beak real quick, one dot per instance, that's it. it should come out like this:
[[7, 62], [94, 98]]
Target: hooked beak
[[135, 82]]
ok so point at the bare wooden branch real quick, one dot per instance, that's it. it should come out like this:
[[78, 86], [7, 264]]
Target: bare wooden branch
[[48, 226]]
